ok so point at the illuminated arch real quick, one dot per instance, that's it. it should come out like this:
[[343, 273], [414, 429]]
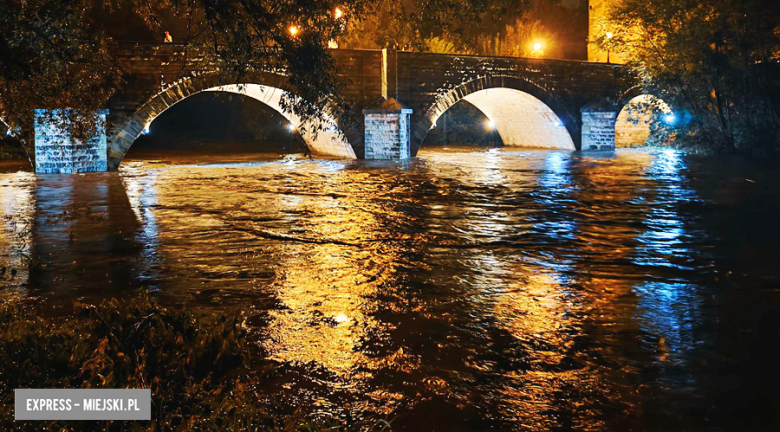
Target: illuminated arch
[[523, 113], [634, 120], [267, 88]]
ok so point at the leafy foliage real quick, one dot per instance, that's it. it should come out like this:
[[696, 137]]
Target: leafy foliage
[[200, 371], [518, 41], [415, 25], [52, 57], [56, 53], [714, 61], [503, 30]]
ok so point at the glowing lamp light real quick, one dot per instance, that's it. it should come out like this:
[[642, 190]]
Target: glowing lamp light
[[538, 46], [146, 128], [609, 35], [291, 127], [338, 13], [558, 123], [293, 30], [490, 124], [670, 119], [333, 44]]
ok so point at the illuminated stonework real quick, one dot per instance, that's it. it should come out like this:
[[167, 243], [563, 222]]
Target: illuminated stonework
[[56, 152], [521, 119], [387, 131]]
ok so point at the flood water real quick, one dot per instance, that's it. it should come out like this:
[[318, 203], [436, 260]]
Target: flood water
[[461, 290]]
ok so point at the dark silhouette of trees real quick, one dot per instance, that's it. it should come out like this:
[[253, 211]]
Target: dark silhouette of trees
[[716, 62]]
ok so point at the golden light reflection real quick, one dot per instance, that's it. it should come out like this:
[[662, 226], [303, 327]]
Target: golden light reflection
[[328, 289], [16, 228]]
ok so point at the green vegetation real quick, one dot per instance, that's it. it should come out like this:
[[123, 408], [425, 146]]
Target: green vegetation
[[505, 29], [714, 62], [199, 369], [60, 54], [11, 149]]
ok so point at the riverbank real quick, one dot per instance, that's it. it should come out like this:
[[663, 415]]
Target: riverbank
[[201, 369]]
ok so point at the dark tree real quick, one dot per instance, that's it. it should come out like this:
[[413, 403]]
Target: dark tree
[[716, 60]]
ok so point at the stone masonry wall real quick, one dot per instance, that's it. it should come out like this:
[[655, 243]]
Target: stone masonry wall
[[437, 81], [56, 152], [387, 135], [598, 130], [157, 76]]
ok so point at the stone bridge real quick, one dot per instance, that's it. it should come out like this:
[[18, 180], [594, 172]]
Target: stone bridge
[[396, 98]]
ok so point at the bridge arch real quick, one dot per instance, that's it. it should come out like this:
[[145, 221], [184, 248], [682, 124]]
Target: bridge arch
[[267, 88], [517, 108], [637, 109]]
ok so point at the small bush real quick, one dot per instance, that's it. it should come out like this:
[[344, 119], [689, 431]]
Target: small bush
[[199, 370]]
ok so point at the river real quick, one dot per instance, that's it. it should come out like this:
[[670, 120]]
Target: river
[[465, 289]]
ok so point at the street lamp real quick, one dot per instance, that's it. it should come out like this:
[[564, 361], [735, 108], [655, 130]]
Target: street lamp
[[338, 13], [538, 47], [293, 30], [609, 36]]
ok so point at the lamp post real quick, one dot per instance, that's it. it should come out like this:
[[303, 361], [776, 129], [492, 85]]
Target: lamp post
[[609, 36]]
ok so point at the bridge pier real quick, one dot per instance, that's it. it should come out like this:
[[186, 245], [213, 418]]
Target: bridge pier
[[598, 126], [57, 152], [388, 131]]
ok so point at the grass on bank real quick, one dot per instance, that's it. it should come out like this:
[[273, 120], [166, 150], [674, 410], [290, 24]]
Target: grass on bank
[[200, 370]]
